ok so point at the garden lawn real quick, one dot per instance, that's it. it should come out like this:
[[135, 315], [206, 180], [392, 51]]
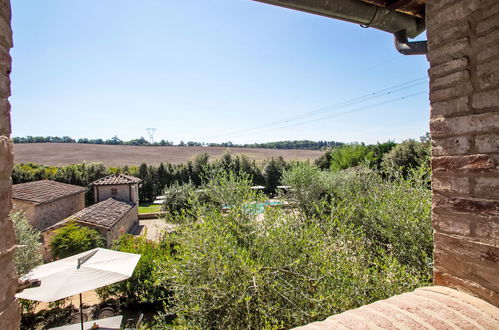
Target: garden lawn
[[149, 208]]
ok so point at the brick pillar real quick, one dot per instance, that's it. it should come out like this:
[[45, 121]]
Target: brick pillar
[[464, 93], [9, 308]]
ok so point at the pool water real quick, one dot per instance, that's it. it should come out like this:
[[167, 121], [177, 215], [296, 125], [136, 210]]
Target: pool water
[[257, 208]]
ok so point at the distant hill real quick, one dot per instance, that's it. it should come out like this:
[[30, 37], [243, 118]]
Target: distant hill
[[60, 154]]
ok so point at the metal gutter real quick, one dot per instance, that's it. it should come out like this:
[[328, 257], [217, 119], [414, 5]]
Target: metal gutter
[[355, 11], [401, 25]]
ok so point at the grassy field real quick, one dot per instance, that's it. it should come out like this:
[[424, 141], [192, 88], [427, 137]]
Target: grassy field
[[149, 208], [60, 154]]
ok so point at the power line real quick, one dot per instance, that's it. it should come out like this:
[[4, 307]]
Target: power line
[[359, 99], [343, 113]]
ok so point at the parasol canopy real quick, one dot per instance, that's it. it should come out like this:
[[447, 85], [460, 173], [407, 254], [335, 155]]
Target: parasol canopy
[[79, 273]]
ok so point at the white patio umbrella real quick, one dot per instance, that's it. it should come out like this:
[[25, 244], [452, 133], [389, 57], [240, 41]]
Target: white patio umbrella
[[79, 273]]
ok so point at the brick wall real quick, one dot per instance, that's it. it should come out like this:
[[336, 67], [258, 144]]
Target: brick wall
[[9, 309], [464, 93]]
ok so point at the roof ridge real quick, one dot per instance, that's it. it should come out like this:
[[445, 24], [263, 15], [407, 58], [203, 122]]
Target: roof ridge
[[116, 178]]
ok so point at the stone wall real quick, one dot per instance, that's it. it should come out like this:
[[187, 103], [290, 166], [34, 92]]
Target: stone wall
[[28, 208], [45, 215], [46, 238], [124, 192], [123, 226], [9, 308], [464, 93], [49, 214]]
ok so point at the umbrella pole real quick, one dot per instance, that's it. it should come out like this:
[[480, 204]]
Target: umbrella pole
[[81, 312]]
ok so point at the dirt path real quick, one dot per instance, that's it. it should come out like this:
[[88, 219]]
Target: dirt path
[[89, 298]]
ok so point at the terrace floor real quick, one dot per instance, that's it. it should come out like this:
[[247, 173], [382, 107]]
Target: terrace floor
[[152, 228], [434, 307]]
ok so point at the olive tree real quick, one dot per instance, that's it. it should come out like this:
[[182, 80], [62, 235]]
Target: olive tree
[[27, 255]]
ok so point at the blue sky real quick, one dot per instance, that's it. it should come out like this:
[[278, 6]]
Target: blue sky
[[212, 71]]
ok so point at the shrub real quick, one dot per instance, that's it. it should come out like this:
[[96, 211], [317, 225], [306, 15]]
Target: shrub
[[72, 239], [177, 197], [227, 189], [272, 173], [146, 286], [406, 156], [309, 186], [27, 256], [349, 155], [394, 216]]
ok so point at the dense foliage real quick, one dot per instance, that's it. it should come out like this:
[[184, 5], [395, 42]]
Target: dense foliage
[[406, 156], [394, 214], [145, 286], [349, 156], [27, 255], [72, 239], [387, 157], [350, 245]]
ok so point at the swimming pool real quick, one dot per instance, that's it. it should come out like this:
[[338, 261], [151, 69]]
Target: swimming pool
[[258, 208]]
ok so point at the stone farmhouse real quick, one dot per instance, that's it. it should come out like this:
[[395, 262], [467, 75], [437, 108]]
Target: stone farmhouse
[[114, 213], [111, 217], [119, 186], [47, 202]]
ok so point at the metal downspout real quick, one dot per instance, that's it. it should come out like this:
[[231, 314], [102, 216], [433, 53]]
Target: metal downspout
[[407, 47]]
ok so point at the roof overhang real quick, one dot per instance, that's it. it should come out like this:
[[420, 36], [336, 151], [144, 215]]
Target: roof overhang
[[390, 16]]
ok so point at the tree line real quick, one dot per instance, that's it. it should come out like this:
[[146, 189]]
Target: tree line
[[296, 144], [157, 178], [112, 141]]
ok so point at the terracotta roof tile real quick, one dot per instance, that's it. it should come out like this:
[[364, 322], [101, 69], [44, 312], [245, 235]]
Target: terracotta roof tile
[[104, 214], [116, 179], [44, 191], [426, 308]]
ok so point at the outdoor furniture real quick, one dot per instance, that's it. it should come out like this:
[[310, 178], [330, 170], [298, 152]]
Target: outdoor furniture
[[134, 325], [105, 313], [109, 323], [79, 273]]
